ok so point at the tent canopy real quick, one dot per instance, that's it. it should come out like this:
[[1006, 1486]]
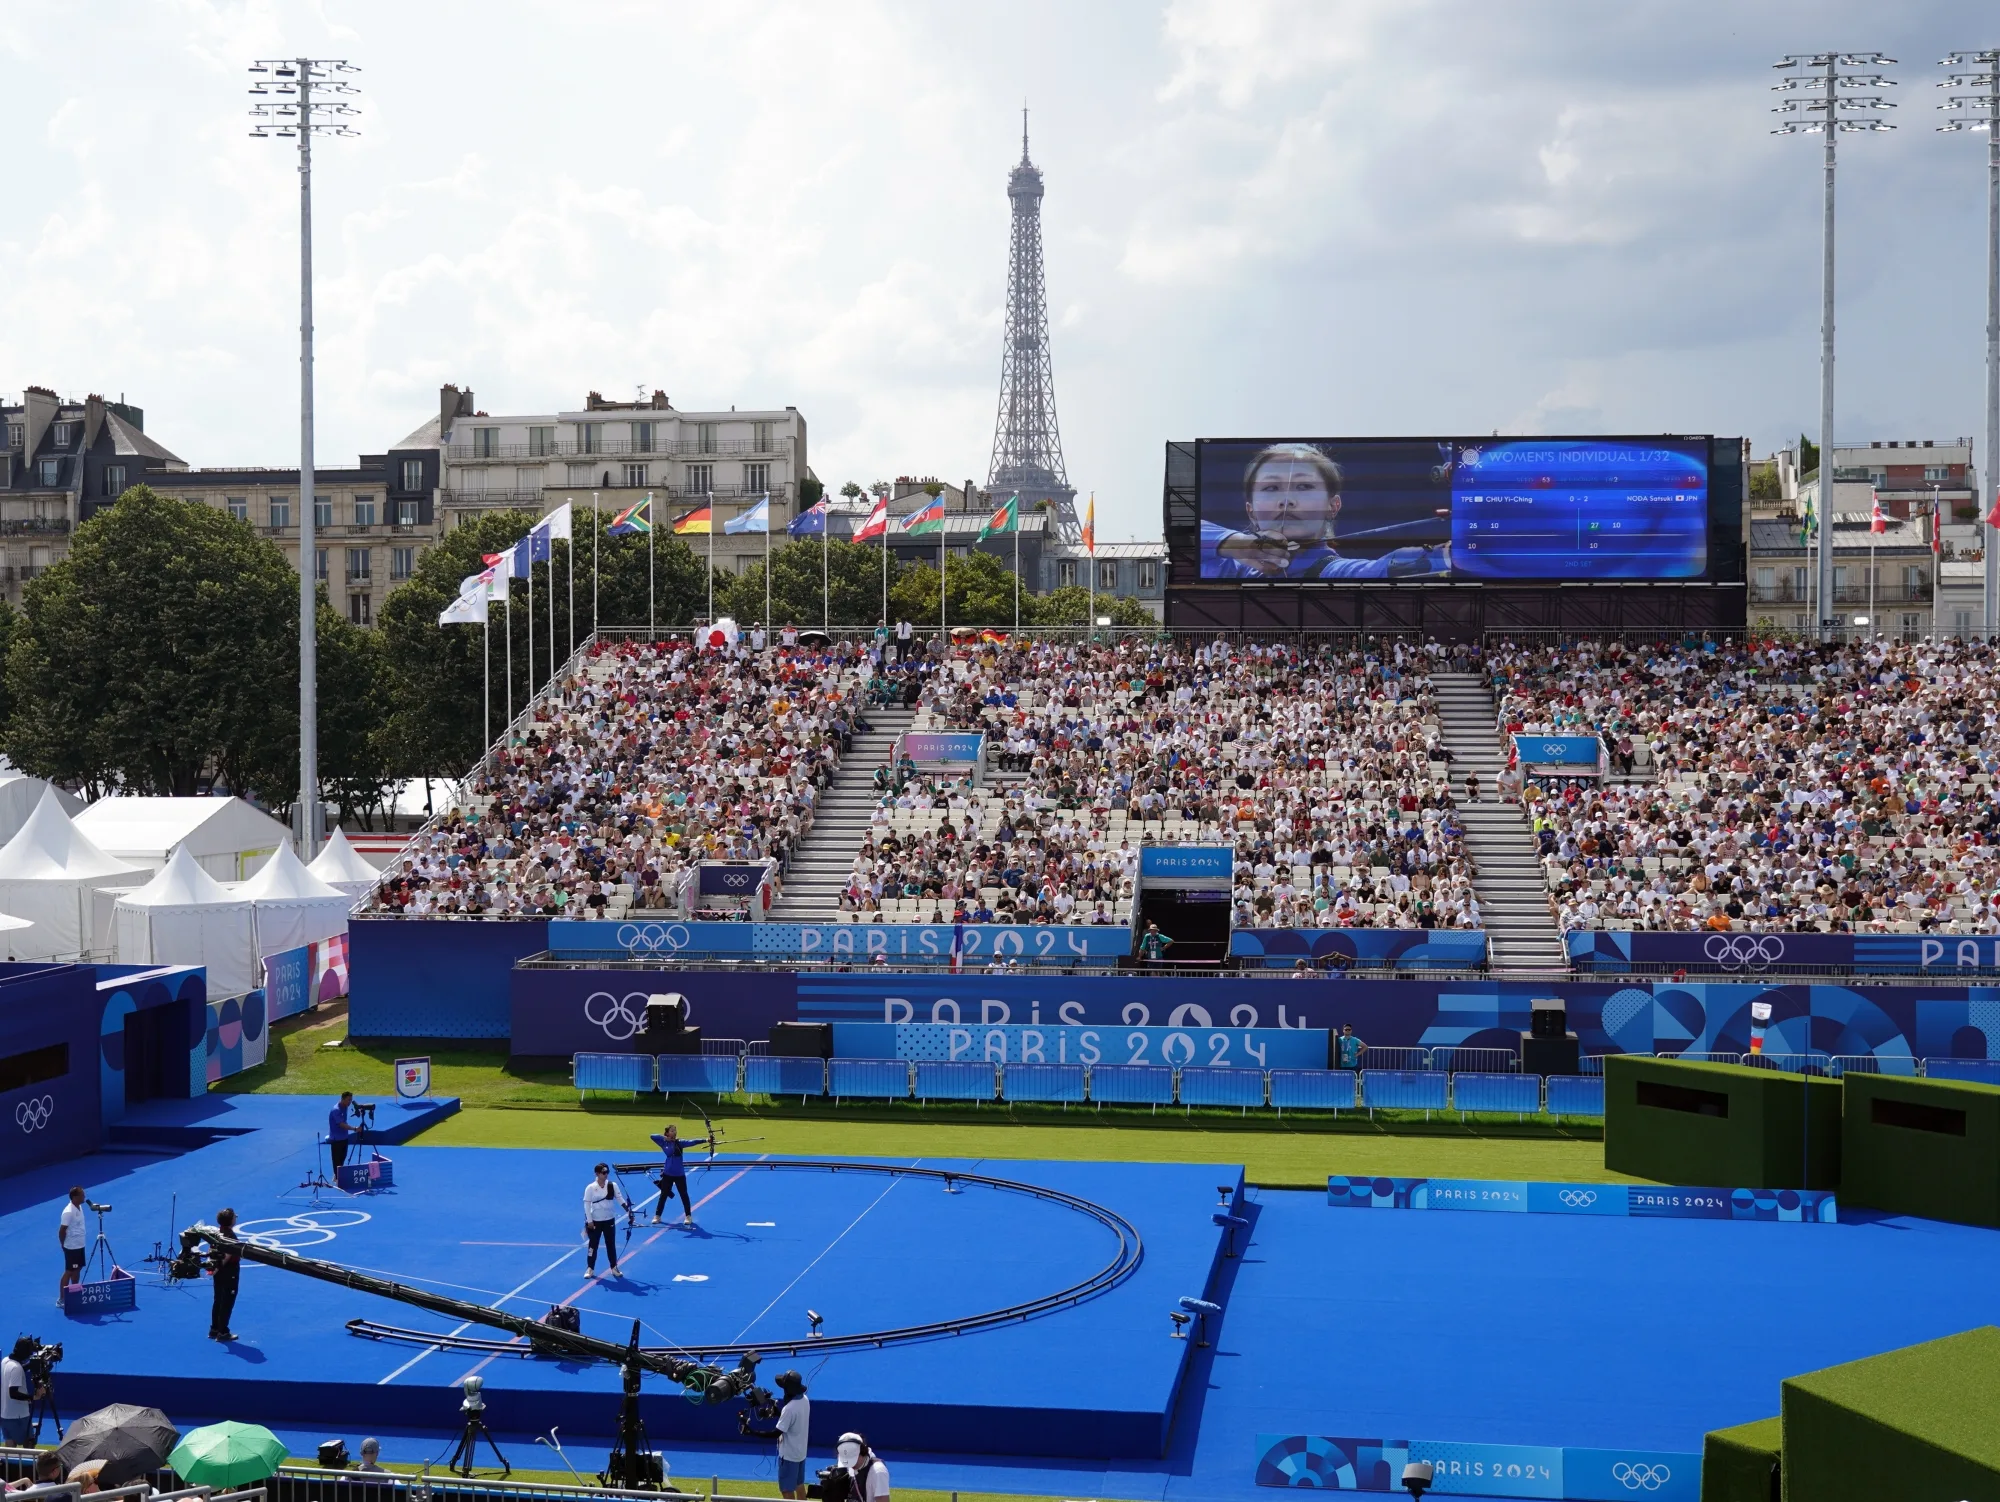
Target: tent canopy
[[47, 873], [293, 906], [341, 865], [183, 916], [226, 836], [19, 795]]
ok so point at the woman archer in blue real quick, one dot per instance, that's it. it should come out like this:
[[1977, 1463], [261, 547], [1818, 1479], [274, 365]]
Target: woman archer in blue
[[1291, 495]]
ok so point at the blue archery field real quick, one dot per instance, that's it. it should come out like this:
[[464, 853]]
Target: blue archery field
[[1512, 1329]]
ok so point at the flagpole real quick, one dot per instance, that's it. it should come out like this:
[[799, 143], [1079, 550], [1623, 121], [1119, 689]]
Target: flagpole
[[486, 663], [942, 628], [595, 528], [531, 620], [652, 524], [569, 555], [767, 568], [1017, 570], [885, 564], [825, 573], [711, 558], [510, 650], [552, 606]]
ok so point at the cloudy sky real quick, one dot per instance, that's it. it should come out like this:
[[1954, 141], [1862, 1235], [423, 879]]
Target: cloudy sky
[[1264, 217]]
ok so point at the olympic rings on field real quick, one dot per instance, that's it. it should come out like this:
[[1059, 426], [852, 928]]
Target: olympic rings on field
[[289, 1233]]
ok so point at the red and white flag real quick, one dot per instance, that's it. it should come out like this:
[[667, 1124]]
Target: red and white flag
[[1993, 516], [1937, 526], [877, 523], [1878, 521]]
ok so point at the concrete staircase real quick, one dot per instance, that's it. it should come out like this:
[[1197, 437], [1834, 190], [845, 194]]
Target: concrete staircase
[[826, 855], [1507, 879]]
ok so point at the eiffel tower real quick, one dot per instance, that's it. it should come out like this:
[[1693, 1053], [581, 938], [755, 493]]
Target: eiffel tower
[[1027, 444]]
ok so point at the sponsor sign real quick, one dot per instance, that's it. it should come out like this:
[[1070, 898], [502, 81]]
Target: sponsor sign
[[1351, 1464], [1640, 1201]]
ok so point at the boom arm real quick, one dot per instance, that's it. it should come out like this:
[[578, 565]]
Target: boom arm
[[713, 1384]]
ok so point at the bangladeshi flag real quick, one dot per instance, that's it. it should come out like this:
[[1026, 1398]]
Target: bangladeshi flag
[[1006, 519]]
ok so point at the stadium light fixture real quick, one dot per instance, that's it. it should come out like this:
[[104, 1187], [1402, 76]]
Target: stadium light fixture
[[298, 98], [1818, 86], [1977, 107]]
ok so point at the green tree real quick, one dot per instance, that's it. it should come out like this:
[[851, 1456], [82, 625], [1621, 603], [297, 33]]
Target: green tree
[[1808, 456], [1070, 606], [10, 623], [852, 491], [853, 578], [810, 490], [356, 728], [159, 656], [979, 591]]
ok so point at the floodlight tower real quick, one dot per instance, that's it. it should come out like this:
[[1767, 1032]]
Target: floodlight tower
[[1817, 80], [285, 90], [1978, 73]]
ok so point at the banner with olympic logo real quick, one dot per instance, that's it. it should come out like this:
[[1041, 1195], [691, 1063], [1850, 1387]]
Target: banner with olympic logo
[[1640, 1201], [1348, 1464]]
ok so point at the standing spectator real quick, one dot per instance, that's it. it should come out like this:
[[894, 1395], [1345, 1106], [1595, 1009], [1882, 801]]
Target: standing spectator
[[1350, 1047]]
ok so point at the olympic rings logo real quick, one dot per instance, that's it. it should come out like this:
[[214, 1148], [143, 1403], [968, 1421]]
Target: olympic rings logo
[[615, 1015], [32, 1115], [288, 1233], [1578, 1199], [653, 938], [1744, 951], [1642, 1476]]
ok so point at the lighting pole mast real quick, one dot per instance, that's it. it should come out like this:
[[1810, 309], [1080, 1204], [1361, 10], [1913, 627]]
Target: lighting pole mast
[[1981, 111], [1817, 79], [284, 89]]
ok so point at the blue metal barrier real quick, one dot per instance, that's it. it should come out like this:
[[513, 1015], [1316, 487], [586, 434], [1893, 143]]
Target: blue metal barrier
[[965, 1080], [612, 1071], [1050, 1083], [1403, 1090], [868, 1079], [1576, 1095], [1313, 1089], [1132, 1085], [1519, 1093], [1203, 1086], [697, 1074], [771, 1074], [1975, 1071]]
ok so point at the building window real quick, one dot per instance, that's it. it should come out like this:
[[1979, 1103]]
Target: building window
[[239, 507], [1913, 625], [761, 432], [485, 443], [360, 609], [402, 562], [756, 479], [642, 438], [635, 476], [588, 438], [1961, 624], [357, 563], [1913, 581], [114, 480], [406, 513], [1839, 580], [364, 511], [51, 472], [17, 435], [61, 433], [704, 438], [1149, 574], [700, 479], [1107, 574], [469, 518], [1767, 580], [1799, 578], [579, 474], [319, 564], [413, 474], [541, 442], [747, 561], [1065, 573], [322, 513], [281, 511], [1937, 474]]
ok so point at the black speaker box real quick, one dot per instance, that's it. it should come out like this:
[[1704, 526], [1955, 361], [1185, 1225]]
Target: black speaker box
[[802, 1040], [1551, 1055], [674, 1040]]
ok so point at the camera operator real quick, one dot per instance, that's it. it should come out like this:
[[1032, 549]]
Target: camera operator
[[601, 1198], [794, 1420], [338, 1132], [227, 1264], [868, 1476], [72, 1235], [17, 1393]]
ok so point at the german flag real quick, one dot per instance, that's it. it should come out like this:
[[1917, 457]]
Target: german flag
[[696, 521]]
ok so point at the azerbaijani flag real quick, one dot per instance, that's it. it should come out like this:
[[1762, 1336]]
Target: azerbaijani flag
[[633, 521], [1006, 519], [696, 521], [929, 519]]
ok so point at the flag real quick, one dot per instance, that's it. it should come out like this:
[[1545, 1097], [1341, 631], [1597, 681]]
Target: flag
[[502, 564], [557, 524], [1878, 522], [1993, 516], [930, 518], [1006, 519], [1806, 522], [878, 522], [696, 521], [469, 609], [491, 581], [1937, 525], [756, 519], [633, 521], [809, 523], [957, 945], [1090, 526], [529, 551]]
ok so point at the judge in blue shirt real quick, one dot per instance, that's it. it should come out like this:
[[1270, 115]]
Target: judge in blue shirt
[[1291, 495], [338, 1133]]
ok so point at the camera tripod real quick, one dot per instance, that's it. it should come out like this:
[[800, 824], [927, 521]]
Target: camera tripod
[[631, 1466], [316, 1180], [44, 1406], [101, 1254], [475, 1429]]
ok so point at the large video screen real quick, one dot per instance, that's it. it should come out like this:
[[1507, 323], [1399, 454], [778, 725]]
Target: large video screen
[[1455, 508]]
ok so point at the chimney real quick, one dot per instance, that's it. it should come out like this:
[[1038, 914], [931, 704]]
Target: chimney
[[660, 402], [452, 403], [93, 421], [39, 410]]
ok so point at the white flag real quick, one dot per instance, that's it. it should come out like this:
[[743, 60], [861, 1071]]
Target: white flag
[[557, 523], [491, 582], [467, 609]]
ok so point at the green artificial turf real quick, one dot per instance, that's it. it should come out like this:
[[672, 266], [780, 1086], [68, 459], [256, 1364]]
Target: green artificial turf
[[503, 1107]]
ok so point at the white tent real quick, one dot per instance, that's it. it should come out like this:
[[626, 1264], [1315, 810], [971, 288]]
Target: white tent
[[184, 917], [228, 838], [292, 906], [47, 874], [343, 868], [18, 797]]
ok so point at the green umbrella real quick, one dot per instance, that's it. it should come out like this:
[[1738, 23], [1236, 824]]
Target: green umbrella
[[227, 1454]]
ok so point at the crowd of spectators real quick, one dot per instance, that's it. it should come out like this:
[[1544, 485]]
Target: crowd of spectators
[[1769, 785], [651, 758], [1322, 767]]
